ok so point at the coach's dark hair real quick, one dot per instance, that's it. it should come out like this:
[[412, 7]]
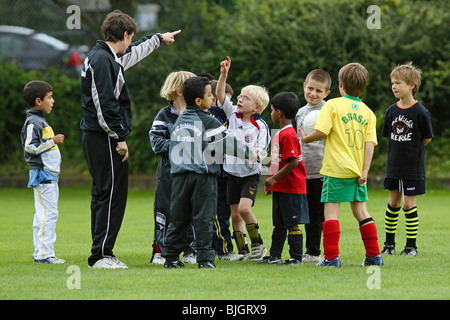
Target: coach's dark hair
[[286, 102], [194, 88], [115, 25], [35, 89]]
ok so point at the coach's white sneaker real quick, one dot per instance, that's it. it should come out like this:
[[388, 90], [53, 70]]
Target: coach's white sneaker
[[109, 263]]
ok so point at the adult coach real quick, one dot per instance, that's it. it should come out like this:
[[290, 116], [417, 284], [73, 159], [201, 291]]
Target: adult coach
[[106, 124]]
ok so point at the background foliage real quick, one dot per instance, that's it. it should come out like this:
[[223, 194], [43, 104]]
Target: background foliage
[[273, 43]]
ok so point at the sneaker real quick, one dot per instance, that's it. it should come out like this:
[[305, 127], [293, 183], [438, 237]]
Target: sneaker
[[292, 262], [270, 260], [258, 252], [158, 259], [190, 258], [170, 264], [51, 260], [109, 263], [206, 265], [388, 249], [409, 252], [231, 256], [245, 255], [374, 261], [336, 262], [310, 258], [119, 263]]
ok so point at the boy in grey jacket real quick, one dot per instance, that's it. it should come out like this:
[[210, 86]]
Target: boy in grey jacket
[[198, 142], [42, 155]]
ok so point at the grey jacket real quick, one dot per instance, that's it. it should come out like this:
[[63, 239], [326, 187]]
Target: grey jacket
[[40, 151], [199, 141]]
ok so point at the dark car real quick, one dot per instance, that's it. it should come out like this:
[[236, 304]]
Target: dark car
[[38, 51]]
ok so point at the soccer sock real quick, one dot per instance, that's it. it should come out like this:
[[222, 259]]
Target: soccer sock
[[412, 226], [253, 233], [370, 239], [331, 234], [278, 240], [295, 241], [390, 223]]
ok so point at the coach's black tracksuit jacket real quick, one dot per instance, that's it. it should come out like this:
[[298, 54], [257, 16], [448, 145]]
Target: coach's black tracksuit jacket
[[107, 120]]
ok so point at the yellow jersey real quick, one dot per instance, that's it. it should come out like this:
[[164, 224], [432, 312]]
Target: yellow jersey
[[348, 124]]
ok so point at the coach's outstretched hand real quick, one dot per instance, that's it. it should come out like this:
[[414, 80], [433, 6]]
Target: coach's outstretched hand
[[169, 37]]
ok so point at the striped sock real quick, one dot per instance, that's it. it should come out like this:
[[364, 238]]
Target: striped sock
[[390, 223], [412, 226]]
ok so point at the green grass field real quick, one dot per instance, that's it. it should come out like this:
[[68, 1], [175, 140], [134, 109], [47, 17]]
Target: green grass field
[[421, 278]]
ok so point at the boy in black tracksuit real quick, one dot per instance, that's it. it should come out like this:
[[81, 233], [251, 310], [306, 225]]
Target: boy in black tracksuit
[[105, 126], [197, 145]]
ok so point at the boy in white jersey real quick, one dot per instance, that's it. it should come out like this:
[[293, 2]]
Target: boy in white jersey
[[349, 127], [243, 177]]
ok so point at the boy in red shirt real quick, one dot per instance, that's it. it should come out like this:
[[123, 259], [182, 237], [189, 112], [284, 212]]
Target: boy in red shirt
[[287, 182]]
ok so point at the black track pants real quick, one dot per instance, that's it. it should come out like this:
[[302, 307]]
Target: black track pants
[[109, 191]]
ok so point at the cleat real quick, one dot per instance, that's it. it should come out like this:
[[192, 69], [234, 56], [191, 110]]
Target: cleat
[[292, 262], [206, 265], [388, 249], [258, 252], [231, 256], [373, 261], [336, 262], [270, 260], [158, 259], [409, 252], [190, 258], [171, 264], [309, 258], [51, 260]]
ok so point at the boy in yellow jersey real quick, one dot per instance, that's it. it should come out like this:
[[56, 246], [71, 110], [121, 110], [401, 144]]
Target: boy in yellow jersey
[[349, 127]]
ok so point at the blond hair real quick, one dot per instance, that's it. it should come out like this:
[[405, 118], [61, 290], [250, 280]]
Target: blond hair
[[173, 82], [354, 76], [408, 73], [259, 94]]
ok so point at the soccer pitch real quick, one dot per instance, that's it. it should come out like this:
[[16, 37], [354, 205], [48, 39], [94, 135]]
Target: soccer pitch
[[420, 278]]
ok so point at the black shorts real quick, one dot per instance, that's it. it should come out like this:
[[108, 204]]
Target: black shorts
[[242, 187], [289, 209], [407, 187]]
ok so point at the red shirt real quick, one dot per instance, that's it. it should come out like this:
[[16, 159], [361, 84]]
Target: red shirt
[[285, 145]]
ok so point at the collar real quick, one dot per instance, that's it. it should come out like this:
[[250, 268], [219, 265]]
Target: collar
[[352, 98], [36, 112], [252, 119]]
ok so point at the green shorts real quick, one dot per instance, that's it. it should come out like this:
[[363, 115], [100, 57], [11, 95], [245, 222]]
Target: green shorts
[[338, 190]]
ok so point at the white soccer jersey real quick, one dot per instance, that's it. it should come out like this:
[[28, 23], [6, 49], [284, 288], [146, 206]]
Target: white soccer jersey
[[251, 135]]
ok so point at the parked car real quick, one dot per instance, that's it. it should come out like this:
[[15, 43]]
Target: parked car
[[35, 50]]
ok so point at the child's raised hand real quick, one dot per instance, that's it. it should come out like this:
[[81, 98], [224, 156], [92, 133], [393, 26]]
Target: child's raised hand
[[225, 65]]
